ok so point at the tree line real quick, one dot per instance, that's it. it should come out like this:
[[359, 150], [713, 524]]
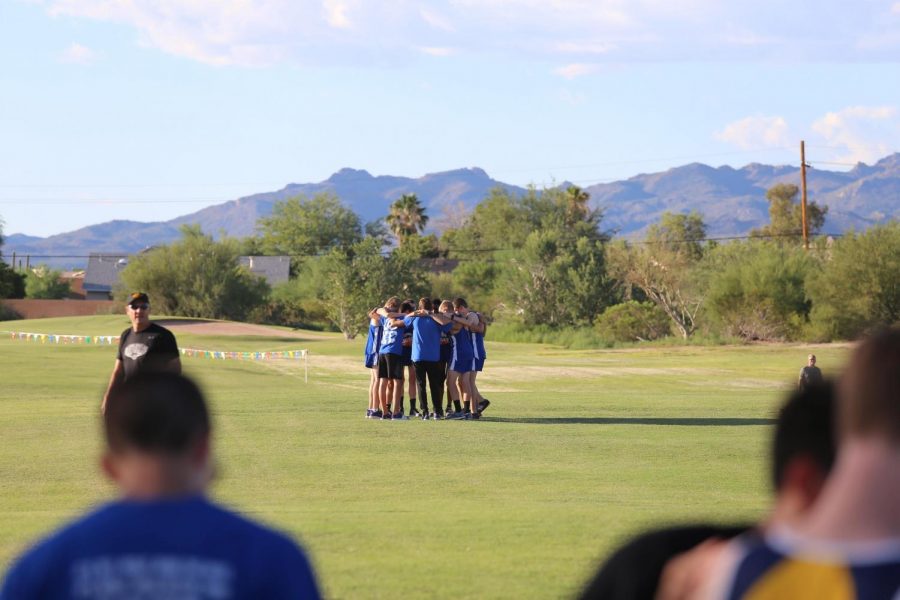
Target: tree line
[[536, 263]]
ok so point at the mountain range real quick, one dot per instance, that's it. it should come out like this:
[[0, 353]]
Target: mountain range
[[732, 201]]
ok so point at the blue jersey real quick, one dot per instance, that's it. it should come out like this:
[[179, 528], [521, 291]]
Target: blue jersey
[[373, 342], [478, 342], [462, 345], [173, 548], [426, 340], [446, 347], [391, 338], [766, 572]]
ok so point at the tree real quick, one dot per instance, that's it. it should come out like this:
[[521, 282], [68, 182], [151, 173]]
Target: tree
[[195, 277], [407, 217], [355, 279], [12, 284], [302, 227], [665, 268], [756, 289], [44, 283], [858, 285], [785, 215]]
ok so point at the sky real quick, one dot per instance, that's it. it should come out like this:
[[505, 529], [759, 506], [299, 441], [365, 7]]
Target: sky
[[151, 109]]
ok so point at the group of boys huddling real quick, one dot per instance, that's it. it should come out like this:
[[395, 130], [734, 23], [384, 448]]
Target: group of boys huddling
[[441, 342]]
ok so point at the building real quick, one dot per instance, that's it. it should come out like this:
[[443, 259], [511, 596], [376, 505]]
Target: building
[[274, 269], [102, 275]]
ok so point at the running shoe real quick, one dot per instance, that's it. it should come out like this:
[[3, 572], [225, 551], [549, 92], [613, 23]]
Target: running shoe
[[376, 414], [400, 417], [437, 416], [425, 416], [482, 406], [457, 416], [387, 416], [413, 413], [472, 416]]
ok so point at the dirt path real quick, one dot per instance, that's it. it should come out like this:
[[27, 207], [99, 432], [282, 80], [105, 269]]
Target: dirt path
[[202, 327]]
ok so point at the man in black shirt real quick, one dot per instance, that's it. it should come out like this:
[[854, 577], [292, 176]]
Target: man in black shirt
[[810, 374], [143, 347]]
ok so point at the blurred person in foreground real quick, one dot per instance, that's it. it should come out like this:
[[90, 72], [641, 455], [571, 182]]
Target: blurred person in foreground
[[802, 453], [163, 538], [143, 347], [849, 545]]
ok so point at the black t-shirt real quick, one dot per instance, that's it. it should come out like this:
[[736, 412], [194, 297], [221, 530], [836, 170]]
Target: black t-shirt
[[147, 350], [633, 571]]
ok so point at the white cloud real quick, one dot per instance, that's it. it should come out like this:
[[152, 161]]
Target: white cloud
[[77, 54], [437, 51], [860, 133], [336, 13], [756, 132], [575, 70], [266, 32]]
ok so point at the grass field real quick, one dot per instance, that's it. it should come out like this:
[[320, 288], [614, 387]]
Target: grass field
[[578, 450]]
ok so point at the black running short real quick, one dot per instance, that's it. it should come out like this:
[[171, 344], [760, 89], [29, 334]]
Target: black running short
[[390, 366]]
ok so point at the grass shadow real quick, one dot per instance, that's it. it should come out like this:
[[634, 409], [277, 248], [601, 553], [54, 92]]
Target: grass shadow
[[679, 421]]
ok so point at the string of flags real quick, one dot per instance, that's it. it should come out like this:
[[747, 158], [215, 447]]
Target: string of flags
[[53, 338], [108, 340], [221, 355]]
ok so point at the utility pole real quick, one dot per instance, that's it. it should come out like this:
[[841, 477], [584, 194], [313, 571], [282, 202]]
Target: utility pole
[[803, 194]]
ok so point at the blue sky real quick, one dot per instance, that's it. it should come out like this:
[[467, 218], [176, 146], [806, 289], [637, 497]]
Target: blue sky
[[149, 109]]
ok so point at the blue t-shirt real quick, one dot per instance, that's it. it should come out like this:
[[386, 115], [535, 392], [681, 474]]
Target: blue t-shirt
[[373, 342], [178, 548], [478, 343], [391, 338], [426, 345]]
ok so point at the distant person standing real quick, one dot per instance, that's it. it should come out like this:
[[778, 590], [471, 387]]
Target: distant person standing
[[143, 347], [810, 374]]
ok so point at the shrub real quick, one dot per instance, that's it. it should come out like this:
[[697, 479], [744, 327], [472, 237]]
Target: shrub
[[633, 321]]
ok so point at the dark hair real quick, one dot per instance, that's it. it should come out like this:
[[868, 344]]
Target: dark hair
[[805, 427], [869, 394], [426, 304], [460, 303], [407, 307], [158, 413]]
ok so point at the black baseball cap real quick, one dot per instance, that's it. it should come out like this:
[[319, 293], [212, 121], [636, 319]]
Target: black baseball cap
[[138, 298]]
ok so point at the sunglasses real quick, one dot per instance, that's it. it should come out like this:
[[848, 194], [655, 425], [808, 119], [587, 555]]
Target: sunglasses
[[143, 306]]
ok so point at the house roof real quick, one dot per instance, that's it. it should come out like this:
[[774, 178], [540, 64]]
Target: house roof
[[102, 272], [274, 269]]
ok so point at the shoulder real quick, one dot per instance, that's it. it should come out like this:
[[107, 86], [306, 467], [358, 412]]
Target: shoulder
[[160, 330]]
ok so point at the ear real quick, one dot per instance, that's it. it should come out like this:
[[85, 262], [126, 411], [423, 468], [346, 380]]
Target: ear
[[109, 467], [804, 476], [200, 452]]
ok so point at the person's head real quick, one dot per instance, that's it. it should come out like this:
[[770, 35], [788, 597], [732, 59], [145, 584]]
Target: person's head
[[461, 306], [435, 303], [869, 390], [406, 307], [138, 310], [157, 430], [805, 431], [811, 360], [392, 304], [446, 307], [426, 304]]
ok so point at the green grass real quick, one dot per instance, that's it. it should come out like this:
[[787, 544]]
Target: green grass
[[579, 450]]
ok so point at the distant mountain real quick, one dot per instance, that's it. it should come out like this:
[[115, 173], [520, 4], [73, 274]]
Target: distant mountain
[[732, 201]]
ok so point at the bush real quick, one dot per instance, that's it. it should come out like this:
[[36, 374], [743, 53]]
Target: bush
[[12, 284], [756, 290], [8, 314], [577, 338], [44, 283], [633, 322]]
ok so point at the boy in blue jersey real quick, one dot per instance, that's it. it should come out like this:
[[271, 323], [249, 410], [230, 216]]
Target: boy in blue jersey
[[405, 309], [462, 362], [373, 344], [426, 329], [480, 357], [163, 538], [390, 361], [848, 547]]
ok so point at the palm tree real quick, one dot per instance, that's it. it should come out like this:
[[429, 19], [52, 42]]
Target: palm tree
[[407, 217]]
